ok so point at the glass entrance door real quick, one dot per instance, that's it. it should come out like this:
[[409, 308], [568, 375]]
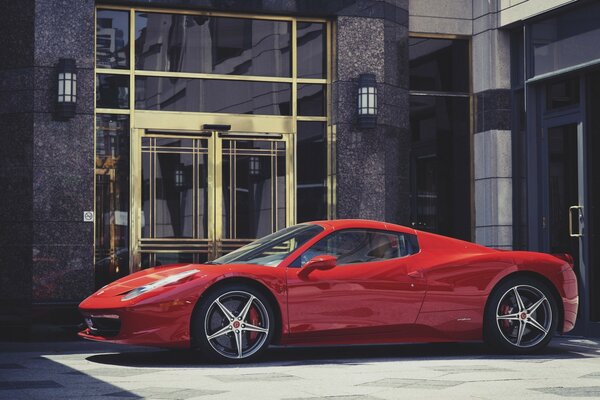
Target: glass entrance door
[[564, 211], [203, 194]]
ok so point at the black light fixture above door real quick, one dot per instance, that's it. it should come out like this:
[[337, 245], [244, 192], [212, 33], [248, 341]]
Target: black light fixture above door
[[67, 89], [367, 101]]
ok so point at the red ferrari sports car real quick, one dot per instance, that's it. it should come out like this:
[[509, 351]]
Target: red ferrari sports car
[[341, 282]]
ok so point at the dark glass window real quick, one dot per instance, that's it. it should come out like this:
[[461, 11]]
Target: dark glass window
[[353, 246], [439, 65], [205, 44], [112, 91], [211, 95], [311, 171], [112, 198], [440, 165], [311, 100], [519, 135], [566, 40], [311, 50], [112, 39], [563, 93], [593, 200]]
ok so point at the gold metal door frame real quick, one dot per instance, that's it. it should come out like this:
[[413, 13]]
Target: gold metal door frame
[[187, 125]]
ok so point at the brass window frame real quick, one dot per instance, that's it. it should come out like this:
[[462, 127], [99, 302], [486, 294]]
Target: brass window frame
[[142, 120]]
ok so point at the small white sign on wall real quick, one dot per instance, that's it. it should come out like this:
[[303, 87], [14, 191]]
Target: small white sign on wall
[[88, 216]]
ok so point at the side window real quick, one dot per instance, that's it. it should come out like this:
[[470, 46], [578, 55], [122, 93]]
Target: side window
[[352, 246]]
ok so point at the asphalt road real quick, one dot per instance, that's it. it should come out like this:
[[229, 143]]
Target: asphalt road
[[568, 368]]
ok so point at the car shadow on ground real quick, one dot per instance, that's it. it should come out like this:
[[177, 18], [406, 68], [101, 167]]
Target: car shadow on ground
[[283, 357]]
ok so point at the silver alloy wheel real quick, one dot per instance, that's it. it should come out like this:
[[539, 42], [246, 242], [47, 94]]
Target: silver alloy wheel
[[524, 316], [236, 324]]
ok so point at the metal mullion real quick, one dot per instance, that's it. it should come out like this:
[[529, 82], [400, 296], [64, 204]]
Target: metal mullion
[[195, 218], [201, 75], [274, 196], [312, 81], [233, 189], [329, 138], [111, 71], [119, 111], [318, 119]]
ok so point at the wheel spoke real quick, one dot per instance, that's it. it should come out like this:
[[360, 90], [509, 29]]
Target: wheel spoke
[[510, 317], [254, 328], [238, 342], [220, 332], [521, 332], [535, 305], [225, 311], [533, 322], [244, 312], [519, 299]]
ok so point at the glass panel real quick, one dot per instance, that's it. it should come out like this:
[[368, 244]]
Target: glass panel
[[520, 239], [253, 178], [112, 39], [112, 198], [593, 200], [354, 246], [562, 188], [112, 91], [566, 40], [311, 100], [562, 93], [311, 50], [439, 65], [215, 96], [174, 188], [160, 259], [517, 58], [440, 129], [311, 171], [220, 45]]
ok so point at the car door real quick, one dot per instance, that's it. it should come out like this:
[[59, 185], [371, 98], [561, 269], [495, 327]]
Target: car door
[[374, 293]]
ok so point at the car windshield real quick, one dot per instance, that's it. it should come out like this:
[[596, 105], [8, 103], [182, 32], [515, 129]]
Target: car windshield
[[272, 249]]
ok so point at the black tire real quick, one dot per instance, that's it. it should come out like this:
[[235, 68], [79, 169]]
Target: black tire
[[525, 328], [224, 334]]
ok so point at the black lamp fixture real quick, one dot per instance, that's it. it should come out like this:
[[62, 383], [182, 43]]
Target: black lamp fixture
[[367, 101], [67, 88]]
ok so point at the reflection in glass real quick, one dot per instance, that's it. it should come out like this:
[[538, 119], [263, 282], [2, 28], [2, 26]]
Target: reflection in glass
[[440, 168], [112, 91], [311, 50], [311, 172], [206, 44], [112, 198], [253, 188], [439, 65], [112, 39], [212, 95], [562, 93], [149, 260], [174, 188], [311, 100], [569, 39]]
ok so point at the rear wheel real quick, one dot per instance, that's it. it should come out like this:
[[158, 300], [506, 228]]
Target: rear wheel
[[521, 316], [233, 323]]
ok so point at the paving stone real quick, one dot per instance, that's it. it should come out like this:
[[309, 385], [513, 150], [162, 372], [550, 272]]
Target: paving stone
[[455, 369], [164, 393], [115, 372], [266, 377], [12, 385], [585, 391], [344, 397], [11, 366], [413, 383]]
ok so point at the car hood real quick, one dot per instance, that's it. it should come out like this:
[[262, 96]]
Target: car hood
[[146, 276]]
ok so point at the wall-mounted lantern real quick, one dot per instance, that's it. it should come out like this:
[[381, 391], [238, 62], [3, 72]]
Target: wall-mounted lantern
[[367, 101], [67, 88], [254, 166], [179, 177]]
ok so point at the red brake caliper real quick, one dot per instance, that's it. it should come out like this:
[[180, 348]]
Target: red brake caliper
[[505, 309], [254, 320]]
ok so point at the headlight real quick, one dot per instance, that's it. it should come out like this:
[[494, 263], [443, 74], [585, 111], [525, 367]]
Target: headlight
[[159, 283]]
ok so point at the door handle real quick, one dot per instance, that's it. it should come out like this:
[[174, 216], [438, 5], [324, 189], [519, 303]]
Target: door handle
[[578, 209], [418, 274]]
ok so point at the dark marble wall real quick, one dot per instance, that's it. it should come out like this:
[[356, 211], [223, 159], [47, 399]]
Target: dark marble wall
[[63, 155], [16, 158], [493, 110], [372, 164]]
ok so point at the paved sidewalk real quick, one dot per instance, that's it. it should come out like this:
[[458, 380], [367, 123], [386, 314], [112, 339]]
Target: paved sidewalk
[[569, 368]]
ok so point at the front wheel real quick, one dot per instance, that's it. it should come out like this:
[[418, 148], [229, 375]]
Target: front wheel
[[521, 316], [233, 323]]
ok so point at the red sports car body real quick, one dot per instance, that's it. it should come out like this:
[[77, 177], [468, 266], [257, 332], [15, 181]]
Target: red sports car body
[[341, 282]]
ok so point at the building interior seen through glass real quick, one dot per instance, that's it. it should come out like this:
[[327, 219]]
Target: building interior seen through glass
[[187, 193]]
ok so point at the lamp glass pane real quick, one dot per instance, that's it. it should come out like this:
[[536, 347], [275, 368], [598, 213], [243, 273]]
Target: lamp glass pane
[[61, 86], [68, 87], [74, 88]]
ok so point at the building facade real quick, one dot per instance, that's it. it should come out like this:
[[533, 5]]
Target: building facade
[[201, 125]]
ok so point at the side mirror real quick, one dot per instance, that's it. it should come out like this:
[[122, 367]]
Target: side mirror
[[322, 263]]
